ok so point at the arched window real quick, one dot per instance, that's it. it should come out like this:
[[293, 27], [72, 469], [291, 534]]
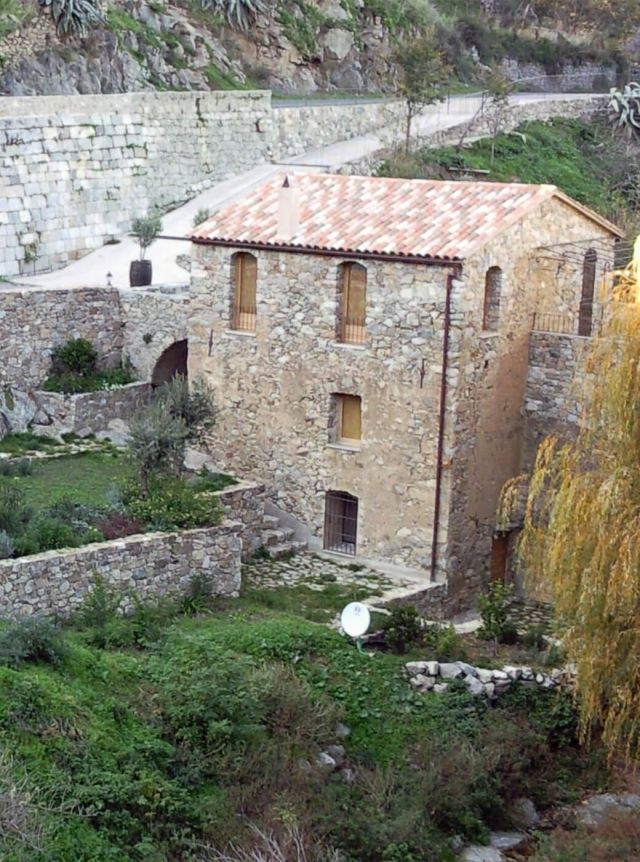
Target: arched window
[[352, 304], [244, 274], [341, 522], [492, 291], [589, 268]]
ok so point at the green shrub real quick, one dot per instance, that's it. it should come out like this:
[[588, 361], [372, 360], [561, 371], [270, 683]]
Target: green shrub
[[443, 641], [534, 638], [44, 533], [209, 481], [75, 17], [14, 511], [171, 505], [192, 404], [201, 217], [77, 356], [6, 545], [494, 610], [198, 595], [34, 639], [403, 628], [19, 467]]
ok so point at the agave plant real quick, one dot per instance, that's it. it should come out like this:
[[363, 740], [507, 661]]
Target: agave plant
[[74, 17], [239, 13], [624, 108]]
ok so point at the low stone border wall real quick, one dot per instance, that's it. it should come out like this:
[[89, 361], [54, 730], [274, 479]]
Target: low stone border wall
[[152, 564], [435, 676], [245, 503], [87, 412]]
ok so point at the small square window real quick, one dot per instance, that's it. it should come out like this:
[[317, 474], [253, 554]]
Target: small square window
[[345, 424]]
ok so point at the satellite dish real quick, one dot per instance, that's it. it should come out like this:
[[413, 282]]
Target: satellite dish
[[355, 619]]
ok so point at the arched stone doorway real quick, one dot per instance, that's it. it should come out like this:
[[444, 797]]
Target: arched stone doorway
[[172, 362]]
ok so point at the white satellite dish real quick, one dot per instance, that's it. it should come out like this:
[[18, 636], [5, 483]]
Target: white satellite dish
[[355, 619]]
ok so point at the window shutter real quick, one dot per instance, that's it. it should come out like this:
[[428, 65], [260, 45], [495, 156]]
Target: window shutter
[[351, 425]]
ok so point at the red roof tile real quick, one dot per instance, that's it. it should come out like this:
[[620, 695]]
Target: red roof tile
[[375, 215]]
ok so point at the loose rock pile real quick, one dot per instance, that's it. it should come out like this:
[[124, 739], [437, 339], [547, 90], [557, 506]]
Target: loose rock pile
[[436, 676]]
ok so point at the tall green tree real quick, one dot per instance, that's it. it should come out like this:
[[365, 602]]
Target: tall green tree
[[582, 531], [424, 77]]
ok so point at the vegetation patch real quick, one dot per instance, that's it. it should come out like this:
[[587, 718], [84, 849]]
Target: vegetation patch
[[75, 368], [182, 728]]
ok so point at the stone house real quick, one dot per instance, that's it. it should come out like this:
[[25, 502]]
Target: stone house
[[367, 341]]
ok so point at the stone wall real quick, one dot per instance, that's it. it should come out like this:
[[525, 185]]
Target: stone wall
[[152, 564], [298, 129], [245, 503], [485, 428], [76, 170], [88, 412], [154, 319], [35, 321], [555, 383]]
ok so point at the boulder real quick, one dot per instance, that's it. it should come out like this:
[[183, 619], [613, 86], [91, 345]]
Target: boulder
[[325, 760], [416, 668], [476, 853], [506, 841], [595, 810], [484, 675], [524, 814], [433, 668], [338, 753], [337, 43], [467, 669], [451, 670], [474, 686]]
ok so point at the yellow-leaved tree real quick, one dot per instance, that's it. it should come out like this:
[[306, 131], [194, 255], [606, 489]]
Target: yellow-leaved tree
[[582, 529]]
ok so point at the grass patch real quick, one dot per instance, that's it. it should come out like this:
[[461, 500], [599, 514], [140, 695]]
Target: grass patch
[[157, 746], [88, 478], [19, 444]]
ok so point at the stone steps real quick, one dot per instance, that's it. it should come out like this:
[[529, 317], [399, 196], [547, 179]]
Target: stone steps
[[278, 541], [279, 552]]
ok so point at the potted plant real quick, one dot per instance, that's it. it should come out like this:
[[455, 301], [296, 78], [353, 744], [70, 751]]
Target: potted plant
[[145, 229]]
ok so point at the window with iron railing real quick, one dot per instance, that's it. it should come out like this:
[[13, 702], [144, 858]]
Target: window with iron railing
[[352, 304], [244, 270]]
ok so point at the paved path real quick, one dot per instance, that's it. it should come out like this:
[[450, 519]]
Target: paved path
[[92, 270]]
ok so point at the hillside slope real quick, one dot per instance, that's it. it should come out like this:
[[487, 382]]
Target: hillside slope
[[292, 46]]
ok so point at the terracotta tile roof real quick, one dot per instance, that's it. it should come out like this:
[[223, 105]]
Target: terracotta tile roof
[[373, 215]]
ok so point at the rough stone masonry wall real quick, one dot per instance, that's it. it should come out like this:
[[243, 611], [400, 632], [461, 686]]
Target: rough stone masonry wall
[[298, 129], [555, 383], [77, 169], [486, 432], [153, 321], [35, 321], [87, 412], [245, 503], [152, 564], [273, 391]]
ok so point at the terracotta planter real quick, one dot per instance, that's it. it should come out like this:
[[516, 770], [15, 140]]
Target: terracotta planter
[[140, 273]]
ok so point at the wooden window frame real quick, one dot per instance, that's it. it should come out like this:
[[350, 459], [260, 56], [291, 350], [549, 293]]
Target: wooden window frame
[[352, 330], [243, 312], [343, 401], [494, 272]]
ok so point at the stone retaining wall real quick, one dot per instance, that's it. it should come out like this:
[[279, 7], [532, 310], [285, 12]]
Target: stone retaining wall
[[77, 169], [88, 412], [152, 564], [298, 129]]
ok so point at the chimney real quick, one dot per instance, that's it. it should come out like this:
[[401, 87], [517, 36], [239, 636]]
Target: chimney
[[288, 212]]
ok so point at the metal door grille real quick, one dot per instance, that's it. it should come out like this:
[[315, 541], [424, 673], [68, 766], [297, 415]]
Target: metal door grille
[[353, 330], [244, 318], [341, 523]]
